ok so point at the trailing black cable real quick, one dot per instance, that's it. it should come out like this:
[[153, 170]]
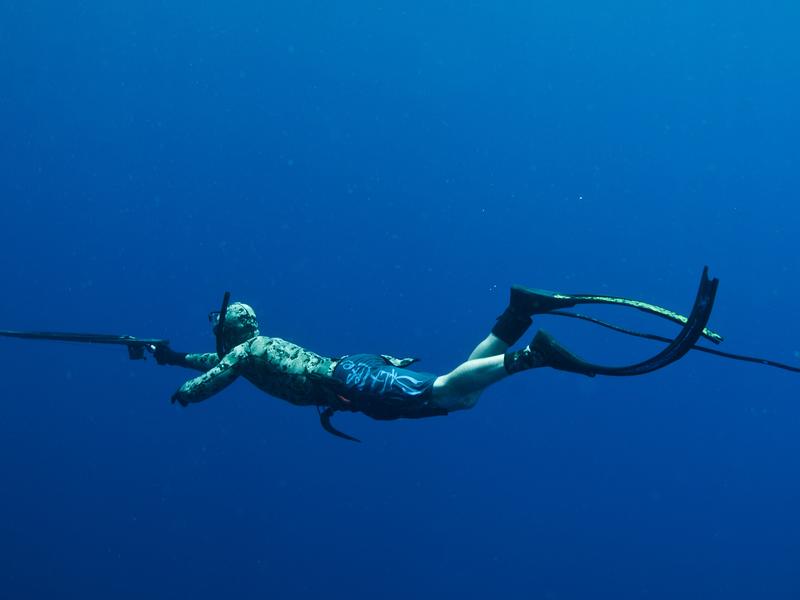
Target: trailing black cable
[[659, 338]]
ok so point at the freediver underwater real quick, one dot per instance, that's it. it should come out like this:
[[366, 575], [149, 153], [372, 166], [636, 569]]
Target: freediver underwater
[[383, 387]]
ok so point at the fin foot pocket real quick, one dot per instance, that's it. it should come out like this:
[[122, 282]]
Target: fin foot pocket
[[533, 301], [552, 354]]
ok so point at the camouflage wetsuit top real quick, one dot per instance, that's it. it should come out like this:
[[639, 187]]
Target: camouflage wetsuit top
[[280, 368], [378, 385]]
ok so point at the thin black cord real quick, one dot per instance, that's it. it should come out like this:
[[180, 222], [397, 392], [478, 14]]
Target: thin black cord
[[658, 338]]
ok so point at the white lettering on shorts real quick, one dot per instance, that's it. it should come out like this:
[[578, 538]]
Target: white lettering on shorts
[[365, 376]]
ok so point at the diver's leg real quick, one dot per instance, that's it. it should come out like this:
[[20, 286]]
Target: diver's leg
[[466, 382], [491, 346], [464, 385], [460, 388]]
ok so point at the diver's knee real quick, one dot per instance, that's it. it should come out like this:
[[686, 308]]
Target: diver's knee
[[446, 397], [462, 402], [469, 401]]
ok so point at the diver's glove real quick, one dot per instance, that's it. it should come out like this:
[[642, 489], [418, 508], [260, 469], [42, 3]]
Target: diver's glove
[[165, 355]]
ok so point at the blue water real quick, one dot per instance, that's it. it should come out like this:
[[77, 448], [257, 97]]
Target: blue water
[[372, 177]]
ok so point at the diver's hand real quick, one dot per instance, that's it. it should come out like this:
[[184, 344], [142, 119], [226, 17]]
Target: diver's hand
[[181, 398], [165, 355]]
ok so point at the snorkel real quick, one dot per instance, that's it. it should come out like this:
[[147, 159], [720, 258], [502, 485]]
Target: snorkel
[[220, 326]]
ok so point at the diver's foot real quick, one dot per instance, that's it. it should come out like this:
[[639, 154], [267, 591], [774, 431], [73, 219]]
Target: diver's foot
[[523, 304], [533, 301], [545, 351], [511, 326], [522, 360], [549, 353]]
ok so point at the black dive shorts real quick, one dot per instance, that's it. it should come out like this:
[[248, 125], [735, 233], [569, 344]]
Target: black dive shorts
[[379, 389]]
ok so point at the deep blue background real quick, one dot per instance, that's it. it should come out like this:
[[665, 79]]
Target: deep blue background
[[371, 177]]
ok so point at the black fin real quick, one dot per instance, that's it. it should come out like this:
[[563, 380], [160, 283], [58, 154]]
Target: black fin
[[554, 355]]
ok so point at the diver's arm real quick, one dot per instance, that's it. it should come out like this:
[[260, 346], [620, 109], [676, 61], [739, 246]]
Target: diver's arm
[[165, 355], [201, 362], [214, 380]]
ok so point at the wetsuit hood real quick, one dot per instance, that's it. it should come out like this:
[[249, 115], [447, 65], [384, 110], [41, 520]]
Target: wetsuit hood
[[239, 326]]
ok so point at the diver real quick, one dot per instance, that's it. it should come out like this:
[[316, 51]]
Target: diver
[[380, 386], [384, 387]]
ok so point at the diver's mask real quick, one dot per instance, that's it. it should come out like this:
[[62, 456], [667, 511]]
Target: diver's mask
[[213, 320]]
